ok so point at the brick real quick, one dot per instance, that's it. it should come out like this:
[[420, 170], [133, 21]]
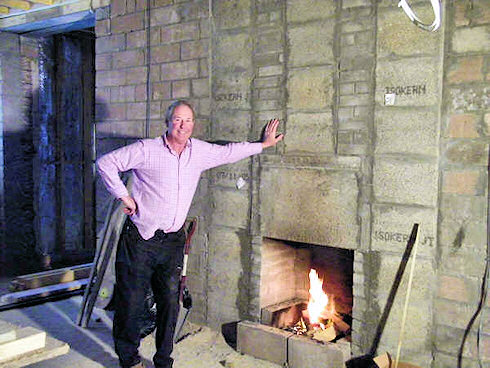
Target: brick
[[462, 182], [110, 111], [468, 69], [140, 92], [230, 208], [463, 126], [130, 58], [347, 4], [180, 32], [460, 18], [161, 91], [120, 129], [266, 71], [453, 288], [136, 75], [467, 152], [204, 67], [136, 39], [306, 10], [307, 353], [165, 53], [357, 99], [118, 7], [130, 6], [122, 94], [194, 49], [103, 27], [263, 342], [136, 110], [180, 70], [103, 61], [475, 39], [194, 10], [102, 94], [106, 78], [164, 16], [180, 89], [270, 41], [110, 43], [128, 23], [229, 14]]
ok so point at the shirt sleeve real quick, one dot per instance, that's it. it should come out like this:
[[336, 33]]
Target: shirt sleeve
[[216, 155], [120, 160]]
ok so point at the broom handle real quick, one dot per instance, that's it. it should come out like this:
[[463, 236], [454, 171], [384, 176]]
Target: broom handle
[[407, 298], [394, 288]]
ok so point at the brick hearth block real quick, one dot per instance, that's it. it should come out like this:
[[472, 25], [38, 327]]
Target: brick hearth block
[[307, 353], [263, 342]]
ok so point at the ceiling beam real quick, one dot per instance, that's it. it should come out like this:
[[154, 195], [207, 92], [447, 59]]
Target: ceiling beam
[[45, 2], [17, 4], [4, 10]]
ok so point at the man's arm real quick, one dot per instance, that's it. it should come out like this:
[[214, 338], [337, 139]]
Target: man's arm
[[270, 134], [112, 163], [216, 155]]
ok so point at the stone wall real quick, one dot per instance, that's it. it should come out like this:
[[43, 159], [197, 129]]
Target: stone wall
[[463, 201], [353, 171]]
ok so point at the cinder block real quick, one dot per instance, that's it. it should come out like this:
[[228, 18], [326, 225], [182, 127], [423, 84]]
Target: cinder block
[[307, 353], [263, 342], [28, 339]]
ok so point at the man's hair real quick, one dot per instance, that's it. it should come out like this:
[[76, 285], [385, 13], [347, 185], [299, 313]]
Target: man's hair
[[173, 106]]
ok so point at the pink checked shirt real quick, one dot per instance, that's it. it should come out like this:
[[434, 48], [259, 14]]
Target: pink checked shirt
[[164, 183]]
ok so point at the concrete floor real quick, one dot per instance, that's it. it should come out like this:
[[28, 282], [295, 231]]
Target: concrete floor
[[92, 347]]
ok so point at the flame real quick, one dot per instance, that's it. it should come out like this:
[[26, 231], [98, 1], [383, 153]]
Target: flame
[[318, 299]]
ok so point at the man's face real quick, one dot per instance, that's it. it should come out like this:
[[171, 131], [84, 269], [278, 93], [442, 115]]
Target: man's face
[[182, 124]]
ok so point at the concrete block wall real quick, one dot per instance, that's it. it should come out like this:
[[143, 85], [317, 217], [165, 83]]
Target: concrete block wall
[[464, 145], [352, 172]]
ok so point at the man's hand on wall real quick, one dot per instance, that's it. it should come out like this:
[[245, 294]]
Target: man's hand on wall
[[270, 134], [130, 205]]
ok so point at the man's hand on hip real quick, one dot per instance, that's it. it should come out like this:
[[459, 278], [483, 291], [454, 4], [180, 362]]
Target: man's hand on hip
[[130, 205]]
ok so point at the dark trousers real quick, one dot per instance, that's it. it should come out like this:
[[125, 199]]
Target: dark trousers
[[141, 264]]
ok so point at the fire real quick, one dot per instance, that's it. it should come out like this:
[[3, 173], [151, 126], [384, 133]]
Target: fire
[[318, 299]]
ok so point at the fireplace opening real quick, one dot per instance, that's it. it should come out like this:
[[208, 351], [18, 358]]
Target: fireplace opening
[[306, 289]]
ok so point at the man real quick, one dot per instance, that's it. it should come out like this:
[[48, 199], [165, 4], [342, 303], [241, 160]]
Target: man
[[166, 173]]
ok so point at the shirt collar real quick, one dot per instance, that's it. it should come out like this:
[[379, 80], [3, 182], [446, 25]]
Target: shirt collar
[[188, 144]]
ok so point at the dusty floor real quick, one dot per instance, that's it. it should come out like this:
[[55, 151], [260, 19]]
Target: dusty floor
[[92, 347]]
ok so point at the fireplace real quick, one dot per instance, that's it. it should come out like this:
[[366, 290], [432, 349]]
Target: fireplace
[[286, 270]]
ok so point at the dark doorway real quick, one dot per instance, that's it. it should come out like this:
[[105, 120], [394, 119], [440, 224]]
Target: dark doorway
[[63, 128]]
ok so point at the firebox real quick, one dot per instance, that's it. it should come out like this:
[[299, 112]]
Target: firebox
[[306, 306], [306, 288]]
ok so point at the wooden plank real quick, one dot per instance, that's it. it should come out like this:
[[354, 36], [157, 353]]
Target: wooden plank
[[50, 290], [52, 349], [16, 4], [4, 10], [45, 2], [51, 277], [28, 339]]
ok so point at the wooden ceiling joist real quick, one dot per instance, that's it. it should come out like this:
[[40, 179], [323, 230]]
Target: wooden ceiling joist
[[45, 2], [4, 10], [16, 4]]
